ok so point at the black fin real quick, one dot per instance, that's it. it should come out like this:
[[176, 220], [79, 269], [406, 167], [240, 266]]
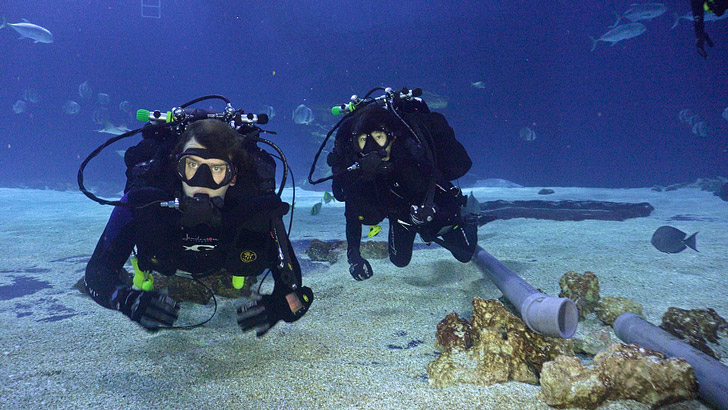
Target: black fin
[[690, 242]]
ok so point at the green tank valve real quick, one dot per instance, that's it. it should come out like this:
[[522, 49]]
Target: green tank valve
[[142, 115], [146, 115], [143, 280], [238, 282], [338, 109]]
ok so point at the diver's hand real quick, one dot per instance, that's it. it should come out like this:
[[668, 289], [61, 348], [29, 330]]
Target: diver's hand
[[422, 214], [700, 44], [262, 314], [151, 309], [369, 163], [360, 268]]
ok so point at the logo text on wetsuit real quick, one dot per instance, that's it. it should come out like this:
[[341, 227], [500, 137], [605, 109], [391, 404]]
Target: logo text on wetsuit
[[248, 256]]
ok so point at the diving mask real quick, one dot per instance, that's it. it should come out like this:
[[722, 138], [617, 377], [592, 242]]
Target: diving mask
[[375, 140], [194, 172]]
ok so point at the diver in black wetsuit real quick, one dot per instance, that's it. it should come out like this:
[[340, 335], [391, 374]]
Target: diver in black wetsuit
[[393, 175], [231, 221], [699, 7]]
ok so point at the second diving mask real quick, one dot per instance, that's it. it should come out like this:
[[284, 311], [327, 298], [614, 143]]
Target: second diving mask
[[194, 172]]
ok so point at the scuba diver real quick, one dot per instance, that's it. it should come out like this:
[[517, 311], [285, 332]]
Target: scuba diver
[[200, 198], [699, 7], [394, 159]]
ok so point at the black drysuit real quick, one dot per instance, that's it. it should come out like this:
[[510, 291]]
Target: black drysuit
[[245, 244], [390, 195]]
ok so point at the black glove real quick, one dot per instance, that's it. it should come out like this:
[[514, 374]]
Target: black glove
[[360, 268], [151, 309], [422, 214], [700, 44], [264, 313]]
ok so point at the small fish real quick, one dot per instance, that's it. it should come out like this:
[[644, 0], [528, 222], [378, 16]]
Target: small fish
[[672, 240], [84, 90], [478, 84], [112, 129], [328, 197], [685, 115], [434, 101], [527, 134], [29, 30], [316, 208], [303, 115], [374, 230], [701, 129], [125, 106], [472, 206], [619, 33], [20, 106]]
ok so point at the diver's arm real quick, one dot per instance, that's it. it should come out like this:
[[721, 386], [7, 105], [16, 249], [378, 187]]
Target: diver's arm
[[112, 251], [353, 234], [359, 268], [289, 300], [287, 274], [698, 17], [699, 24]]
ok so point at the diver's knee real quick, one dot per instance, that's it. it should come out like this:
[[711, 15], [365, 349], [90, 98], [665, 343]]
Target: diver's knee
[[400, 261]]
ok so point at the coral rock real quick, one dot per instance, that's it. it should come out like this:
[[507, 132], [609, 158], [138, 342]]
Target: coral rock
[[621, 372], [502, 348], [320, 250], [375, 249], [609, 308], [592, 337], [582, 289], [330, 251], [566, 382], [637, 373], [696, 327], [453, 332]]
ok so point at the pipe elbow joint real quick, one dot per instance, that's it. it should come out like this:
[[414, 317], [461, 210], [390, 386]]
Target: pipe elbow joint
[[550, 316]]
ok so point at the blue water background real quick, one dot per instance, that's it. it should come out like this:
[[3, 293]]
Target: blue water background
[[604, 118]]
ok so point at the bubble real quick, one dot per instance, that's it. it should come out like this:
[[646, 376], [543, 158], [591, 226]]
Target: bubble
[[71, 107], [725, 114], [302, 115], [20, 106]]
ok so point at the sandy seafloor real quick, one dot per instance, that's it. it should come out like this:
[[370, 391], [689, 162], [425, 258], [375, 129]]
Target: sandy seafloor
[[58, 349]]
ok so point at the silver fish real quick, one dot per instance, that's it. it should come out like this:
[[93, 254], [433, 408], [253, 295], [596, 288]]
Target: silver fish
[[112, 129], [637, 12], [29, 30], [619, 33]]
